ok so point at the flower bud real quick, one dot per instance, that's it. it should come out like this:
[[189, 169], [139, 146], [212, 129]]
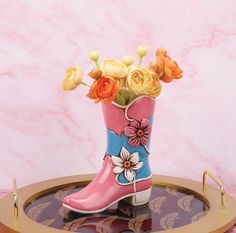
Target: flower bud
[[94, 55], [161, 51], [128, 60], [142, 50], [95, 74]]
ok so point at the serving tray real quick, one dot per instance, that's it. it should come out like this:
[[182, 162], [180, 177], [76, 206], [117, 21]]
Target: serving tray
[[176, 206]]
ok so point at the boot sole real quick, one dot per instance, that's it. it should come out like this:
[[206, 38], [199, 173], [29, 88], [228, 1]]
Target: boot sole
[[135, 199]]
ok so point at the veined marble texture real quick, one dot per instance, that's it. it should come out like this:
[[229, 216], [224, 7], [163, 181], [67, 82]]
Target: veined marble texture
[[46, 132]]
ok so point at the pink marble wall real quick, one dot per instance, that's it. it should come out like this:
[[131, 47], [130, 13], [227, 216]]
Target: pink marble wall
[[46, 133]]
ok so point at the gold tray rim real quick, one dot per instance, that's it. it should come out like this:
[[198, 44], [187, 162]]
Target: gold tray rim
[[217, 220]]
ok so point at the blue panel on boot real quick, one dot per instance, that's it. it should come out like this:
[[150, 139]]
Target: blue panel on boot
[[114, 145]]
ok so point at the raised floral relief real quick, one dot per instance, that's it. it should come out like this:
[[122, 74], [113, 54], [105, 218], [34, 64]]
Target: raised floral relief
[[127, 163], [138, 132]]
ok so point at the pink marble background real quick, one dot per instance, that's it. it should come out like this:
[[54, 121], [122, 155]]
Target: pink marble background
[[46, 133]]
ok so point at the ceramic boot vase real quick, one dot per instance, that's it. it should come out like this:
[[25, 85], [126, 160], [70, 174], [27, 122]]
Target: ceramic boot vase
[[125, 174]]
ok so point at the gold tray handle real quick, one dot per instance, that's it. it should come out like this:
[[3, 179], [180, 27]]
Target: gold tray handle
[[222, 189], [15, 201]]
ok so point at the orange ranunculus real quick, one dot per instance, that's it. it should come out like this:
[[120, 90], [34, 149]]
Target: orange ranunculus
[[95, 73], [105, 88], [165, 67]]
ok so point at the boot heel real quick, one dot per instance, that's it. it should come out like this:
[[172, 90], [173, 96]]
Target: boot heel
[[139, 198]]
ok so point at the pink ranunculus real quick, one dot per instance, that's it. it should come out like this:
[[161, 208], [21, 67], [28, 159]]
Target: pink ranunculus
[[138, 132]]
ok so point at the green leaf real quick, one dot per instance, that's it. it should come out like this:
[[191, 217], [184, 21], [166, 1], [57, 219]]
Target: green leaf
[[124, 97], [120, 99]]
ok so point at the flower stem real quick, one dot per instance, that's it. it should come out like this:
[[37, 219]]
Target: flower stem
[[97, 64], [85, 84], [140, 60]]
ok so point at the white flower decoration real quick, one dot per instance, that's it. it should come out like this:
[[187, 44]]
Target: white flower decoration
[[127, 163]]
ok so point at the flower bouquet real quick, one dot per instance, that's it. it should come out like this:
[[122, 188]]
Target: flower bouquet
[[121, 81], [128, 94]]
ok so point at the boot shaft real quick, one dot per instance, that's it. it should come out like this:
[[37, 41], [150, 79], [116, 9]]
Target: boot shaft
[[129, 133]]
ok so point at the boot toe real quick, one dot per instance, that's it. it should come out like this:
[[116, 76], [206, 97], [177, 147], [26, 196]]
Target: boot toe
[[73, 202], [67, 200]]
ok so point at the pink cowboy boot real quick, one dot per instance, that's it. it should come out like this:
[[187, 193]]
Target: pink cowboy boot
[[125, 173]]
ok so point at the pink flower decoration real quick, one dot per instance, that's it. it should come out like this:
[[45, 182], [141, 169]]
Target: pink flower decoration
[[138, 132]]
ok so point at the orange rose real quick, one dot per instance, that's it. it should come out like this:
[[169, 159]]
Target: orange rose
[[105, 88], [165, 67]]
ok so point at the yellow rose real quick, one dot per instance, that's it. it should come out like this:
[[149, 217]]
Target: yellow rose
[[114, 69], [73, 78], [155, 89], [139, 80]]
